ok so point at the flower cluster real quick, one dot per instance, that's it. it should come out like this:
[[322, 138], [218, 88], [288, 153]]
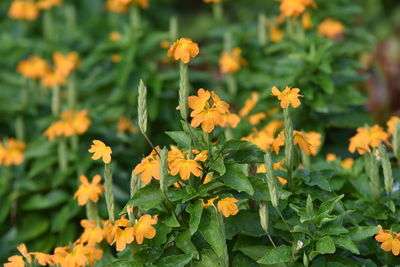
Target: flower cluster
[[149, 167], [37, 68], [209, 110], [122, 6], [230, 62], [70, 123], [367, 138], [12, 152], [390, 240], [264, 138], [28, 9]]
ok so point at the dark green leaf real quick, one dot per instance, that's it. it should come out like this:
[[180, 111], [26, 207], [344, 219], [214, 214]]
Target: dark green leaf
[[195, 210], [346, 243], [277, 255], [184, 243], [236, 179], [147, 197], [243, 152], [174, 260], [211, 232], [358, 233]]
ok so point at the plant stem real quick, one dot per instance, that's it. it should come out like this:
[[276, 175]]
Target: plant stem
[[109, 192], [62, 154], [55, 100]]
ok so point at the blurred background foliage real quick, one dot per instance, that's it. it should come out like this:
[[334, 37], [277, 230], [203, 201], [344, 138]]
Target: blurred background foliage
[[340, 82]]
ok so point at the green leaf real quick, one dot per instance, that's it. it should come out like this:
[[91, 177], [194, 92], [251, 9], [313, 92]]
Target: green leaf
[[245, 222], [52, 199], [171, 221], [358, 233], [123, 263], [41, 165], [32, 226], [181, 138], [277, 255], [243, 152], [195, 210], [320, 179], [326, 82], [327, 206], [236, 179], [147, 197], [325, 245], [218, 165], [332, 229], [346, 243], [211, 232], [184, 243], [208, 259], [174, 260]]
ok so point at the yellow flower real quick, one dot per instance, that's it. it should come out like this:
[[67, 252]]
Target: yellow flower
[[15, 261], [92, 233], [330, 28], [114, 36], [65, 64], [180, 163], [33, 68], [330, 157], [115, 58], [209, 202], [390, 241], [299, 138], [89, 191], [149, 168], [275, 34], [43, 258], [184, 49], [23, 9], [314, 138], [124, 124], [392, 123], [71, 122], [227, 206], [306, 21], [208, 110], [100, 150], [347, 163], [230, 62], [12, 152], [249, 104], [47, 4], [366, 138], [289, 96], [143, 228]]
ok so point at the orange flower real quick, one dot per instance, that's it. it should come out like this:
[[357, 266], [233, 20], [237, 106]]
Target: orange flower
[[124, 124], [314, 138], [184, 49], [230, 120], [116, 6], [330, 157], [43, 259], [71, 122], [290, 8], [143, 228], [33, 68], [277, 166], [180, 163], [92, 233], [65, 64], [209, 112], [24, 252], [347, 163], [262, 139], [200, 156], [149, 167], [249, 104], [366, 138], [89, 191], [392, 123], [12, 152], [278, 142], [100, 150], [115, 58], [47, 4], [114, 36], [142, 3], [15, 261], [306, 21], [230, 62], [256, 118], [275, 34], [390, 241], [165, 44], [299, 138], [23, 9], [52, 79], [330, 28], [289, 96], [227, 206], [123, 236], [209, 202]]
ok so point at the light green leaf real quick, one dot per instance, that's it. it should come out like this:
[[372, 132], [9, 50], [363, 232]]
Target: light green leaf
[[184, 243], [277, 255], [195, 210], [147, 197], [236, 179]]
